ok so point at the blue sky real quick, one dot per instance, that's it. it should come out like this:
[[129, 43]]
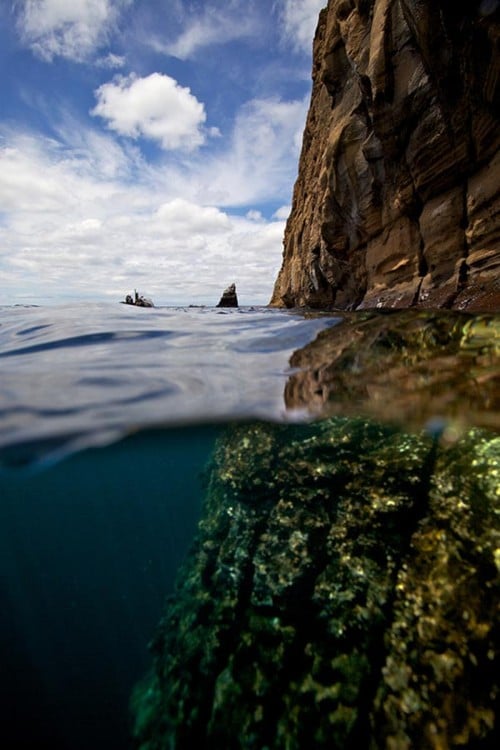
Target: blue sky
[[149, 144]]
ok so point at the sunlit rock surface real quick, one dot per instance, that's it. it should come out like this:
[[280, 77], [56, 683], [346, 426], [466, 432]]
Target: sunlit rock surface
[[414, 368], [397, 201]]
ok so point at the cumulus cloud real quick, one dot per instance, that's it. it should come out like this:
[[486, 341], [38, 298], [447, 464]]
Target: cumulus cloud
[[72, 29], [84, 212], [282, 213], [71, 228], [300, 18], [180, 216], [154, 107]]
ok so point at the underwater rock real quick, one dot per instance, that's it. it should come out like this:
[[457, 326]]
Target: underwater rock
[[229, 297], [343, 592], [410, 367]]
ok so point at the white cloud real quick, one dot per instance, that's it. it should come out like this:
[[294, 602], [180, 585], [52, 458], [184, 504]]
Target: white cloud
[[85, 211], [255, 163], [67, 28], [70, 229], [154, 107], [260, 161], [282, 213], [180, 216], [254, 215], [214, 26], [300, 18], [111, 61]]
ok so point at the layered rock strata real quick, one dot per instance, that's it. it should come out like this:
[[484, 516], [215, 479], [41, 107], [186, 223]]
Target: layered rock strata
[[397, 201]]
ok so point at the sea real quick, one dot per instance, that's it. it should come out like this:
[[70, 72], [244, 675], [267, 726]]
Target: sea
[[108, 418]]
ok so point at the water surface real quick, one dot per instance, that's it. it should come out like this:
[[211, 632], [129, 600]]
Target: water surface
[[108, 419], [78, 375]]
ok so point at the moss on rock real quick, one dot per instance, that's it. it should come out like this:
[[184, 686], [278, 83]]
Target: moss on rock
[[343, 591]]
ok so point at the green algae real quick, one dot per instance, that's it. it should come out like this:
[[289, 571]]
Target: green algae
[[343, 591], [440, 683]]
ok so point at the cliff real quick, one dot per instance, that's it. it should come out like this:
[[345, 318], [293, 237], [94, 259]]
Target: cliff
[[397, 201]]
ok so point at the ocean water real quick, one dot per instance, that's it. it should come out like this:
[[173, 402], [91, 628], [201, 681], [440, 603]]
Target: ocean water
[[108, 419], [108, 416]]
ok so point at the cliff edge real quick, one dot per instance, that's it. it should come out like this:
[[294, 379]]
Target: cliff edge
[[397, 200]]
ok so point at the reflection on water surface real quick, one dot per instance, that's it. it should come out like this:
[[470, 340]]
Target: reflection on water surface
[[406, 367]]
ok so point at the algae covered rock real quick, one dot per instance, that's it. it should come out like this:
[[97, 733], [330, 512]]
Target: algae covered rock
[[411, 367], [440, 685], [343, 592]]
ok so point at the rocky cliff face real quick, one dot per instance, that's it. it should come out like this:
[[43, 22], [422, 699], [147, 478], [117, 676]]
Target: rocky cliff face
[[397, 201]]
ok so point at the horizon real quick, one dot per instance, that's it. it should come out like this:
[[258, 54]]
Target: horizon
[[150, 145]]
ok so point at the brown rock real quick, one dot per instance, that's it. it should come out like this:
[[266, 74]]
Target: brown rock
[[396, 201], [229, 297], [413, 368]]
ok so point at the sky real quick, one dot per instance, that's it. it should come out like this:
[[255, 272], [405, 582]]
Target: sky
[[149, 145]]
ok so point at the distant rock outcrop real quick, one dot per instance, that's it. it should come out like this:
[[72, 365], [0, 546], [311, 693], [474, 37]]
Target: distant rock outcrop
[[397, 202], [229, 297], [138, 300]]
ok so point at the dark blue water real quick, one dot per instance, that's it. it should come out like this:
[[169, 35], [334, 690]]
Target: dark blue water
[[89, 550], [108, 416]]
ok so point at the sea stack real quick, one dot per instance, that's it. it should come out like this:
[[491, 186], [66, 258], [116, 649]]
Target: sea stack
[[138, 300], [229, 297], [397, 201]]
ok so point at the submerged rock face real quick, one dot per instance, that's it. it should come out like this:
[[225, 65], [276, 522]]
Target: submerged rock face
[[397, 200], [343, 592], [344, 587], [413, 368]]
